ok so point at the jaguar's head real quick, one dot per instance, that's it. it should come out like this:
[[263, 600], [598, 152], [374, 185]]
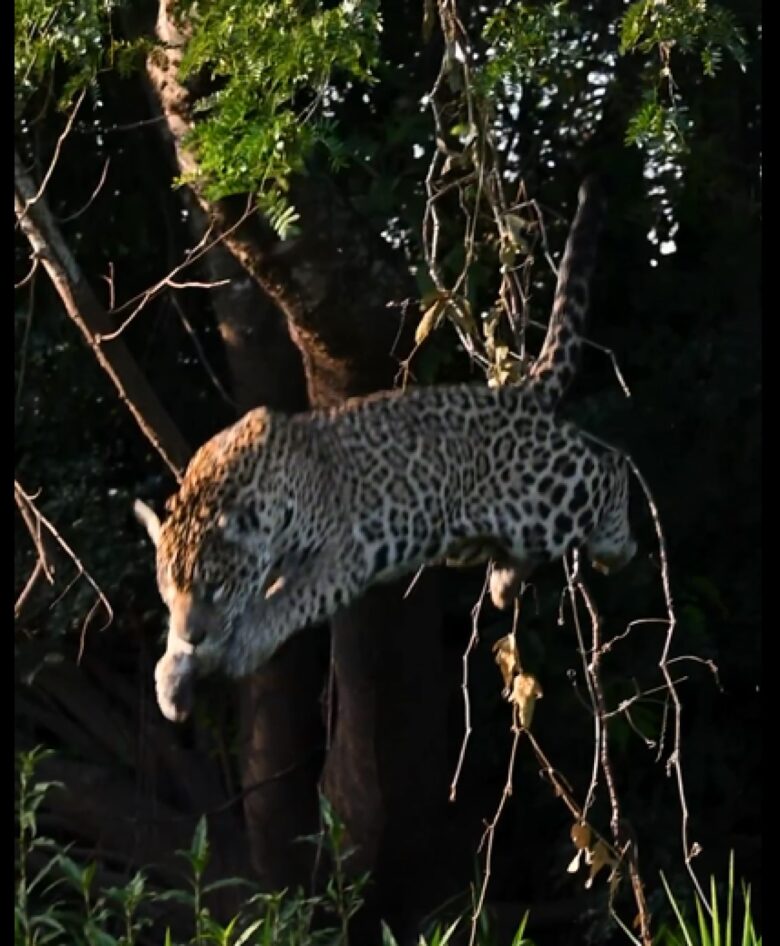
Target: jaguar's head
[[214, 571]]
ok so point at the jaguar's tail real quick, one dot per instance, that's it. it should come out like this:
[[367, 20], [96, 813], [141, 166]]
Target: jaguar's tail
[[554, 368]]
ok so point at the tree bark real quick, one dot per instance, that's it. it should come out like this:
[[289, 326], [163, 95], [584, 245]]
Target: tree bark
[[281, 734], [281, 730]]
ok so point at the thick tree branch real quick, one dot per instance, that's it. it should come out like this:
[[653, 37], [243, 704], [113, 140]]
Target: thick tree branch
[[333, 284], [82, 306]]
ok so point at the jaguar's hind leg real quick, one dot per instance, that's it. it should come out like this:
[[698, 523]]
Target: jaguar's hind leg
[[506, 577]]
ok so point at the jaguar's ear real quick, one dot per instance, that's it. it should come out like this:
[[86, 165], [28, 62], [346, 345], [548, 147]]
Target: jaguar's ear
[[148, 519]]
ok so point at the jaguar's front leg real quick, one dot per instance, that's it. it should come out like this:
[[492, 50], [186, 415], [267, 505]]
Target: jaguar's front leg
[[174, 679], [176, 673]]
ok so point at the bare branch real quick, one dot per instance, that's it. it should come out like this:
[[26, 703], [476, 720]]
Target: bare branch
[[674, 761], [32, 581], [109, 280], [200, 352], [130, 126], [192, 255], [33, 269], [34, 528], [602, 348], [92, 320], [31, 201], [93, 195], [30, 512], [193, 284], [473, 639], [489, 834], [27, 326]]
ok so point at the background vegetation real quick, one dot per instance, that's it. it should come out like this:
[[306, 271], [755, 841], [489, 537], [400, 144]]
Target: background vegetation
[[141, 134]]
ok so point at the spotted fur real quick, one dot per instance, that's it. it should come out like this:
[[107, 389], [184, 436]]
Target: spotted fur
[[282, 520]]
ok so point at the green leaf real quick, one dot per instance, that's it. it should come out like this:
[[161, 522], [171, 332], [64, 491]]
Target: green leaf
[[71, 870], [96, 936], [227, 882], [249, 932], [387, 936], [178, 896], [199, 849]]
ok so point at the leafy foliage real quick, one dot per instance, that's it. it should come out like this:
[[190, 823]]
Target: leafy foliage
[[282, 67], [527, 43], [74, 36], [689, 25], [64, 901], [661, 127], [714, 926], [684, 333]]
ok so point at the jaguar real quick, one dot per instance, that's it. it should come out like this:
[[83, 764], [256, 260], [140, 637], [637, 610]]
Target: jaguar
[[281, 520]]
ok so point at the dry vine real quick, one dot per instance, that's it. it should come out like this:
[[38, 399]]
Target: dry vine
[[469, 169]]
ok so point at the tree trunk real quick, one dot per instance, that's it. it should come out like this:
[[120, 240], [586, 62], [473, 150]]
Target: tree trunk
[[281, 730], [343, 295]]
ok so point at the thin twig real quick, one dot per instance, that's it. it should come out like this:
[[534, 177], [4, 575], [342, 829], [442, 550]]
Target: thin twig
[[602, 348], [109, 280], [464, 686], [129, 126], [489, 833], [200, 249], [31, 272], [213, 377], [34, 528], [674, 762], [92, 197], [593, 674], [26, 336], [27, 506], [31, 582], [55, 157], [195, 284], [571, 580]]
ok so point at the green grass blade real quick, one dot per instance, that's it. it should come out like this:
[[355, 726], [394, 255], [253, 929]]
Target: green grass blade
[[704, 934], [730, 901], [748, 933], [519, 937], [714, 913], [677, 913]]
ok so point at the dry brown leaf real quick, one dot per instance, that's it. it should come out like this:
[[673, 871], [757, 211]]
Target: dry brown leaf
[[507, 255], [600, 857], [580, 835], [508, 659], [430, 321], [515, 226], [525, 692], [489, 327], [505, 368], [614, 883], [574, 864]]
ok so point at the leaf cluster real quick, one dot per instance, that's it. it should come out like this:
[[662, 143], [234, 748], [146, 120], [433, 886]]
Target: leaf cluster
[[277, 70]]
